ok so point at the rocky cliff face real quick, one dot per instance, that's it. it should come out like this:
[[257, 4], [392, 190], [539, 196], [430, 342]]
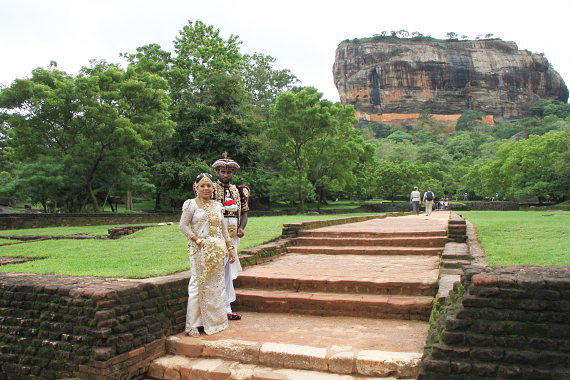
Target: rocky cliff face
[[406, 77]]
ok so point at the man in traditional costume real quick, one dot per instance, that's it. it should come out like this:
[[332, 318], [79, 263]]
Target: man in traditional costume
[[235, 201]]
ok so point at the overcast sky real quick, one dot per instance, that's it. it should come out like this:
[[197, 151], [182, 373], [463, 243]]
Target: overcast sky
[[301, 35]]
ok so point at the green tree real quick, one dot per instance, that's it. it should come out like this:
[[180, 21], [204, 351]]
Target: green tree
[[299, 122], [395, 179], [41, 181], [263, 82], [471, 121], [105, 114]]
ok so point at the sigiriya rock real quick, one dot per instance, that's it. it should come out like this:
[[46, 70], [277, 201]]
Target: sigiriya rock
[[396, 80]]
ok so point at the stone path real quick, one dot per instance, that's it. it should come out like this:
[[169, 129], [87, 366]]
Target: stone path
[[346, 302]]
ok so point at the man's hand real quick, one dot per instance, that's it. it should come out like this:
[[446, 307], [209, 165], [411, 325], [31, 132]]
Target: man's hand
[[240, 232]]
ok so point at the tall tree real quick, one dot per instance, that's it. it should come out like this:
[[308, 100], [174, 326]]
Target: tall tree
[[300, 125], [105, 114]]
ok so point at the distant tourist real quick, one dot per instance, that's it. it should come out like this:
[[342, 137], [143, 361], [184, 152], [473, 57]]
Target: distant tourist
[[208, 246], [428, 201], [415, 198], [446, 202], [465, 196]]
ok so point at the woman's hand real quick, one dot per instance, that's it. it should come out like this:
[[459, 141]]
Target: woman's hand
[[232, 258], [199, 242]]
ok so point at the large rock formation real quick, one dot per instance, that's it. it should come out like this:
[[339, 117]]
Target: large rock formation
[[445, 78]]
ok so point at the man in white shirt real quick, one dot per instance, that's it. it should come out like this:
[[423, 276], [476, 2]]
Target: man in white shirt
[[415, 199]]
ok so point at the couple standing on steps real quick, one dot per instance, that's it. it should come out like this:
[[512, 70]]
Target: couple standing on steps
[[213, 222], [415, 198]]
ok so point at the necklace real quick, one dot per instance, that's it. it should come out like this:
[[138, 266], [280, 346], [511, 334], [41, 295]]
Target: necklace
[[213, 218]]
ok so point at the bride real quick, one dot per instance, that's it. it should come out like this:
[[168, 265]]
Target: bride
[[209, 244]]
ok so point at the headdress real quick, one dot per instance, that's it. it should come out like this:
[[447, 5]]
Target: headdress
[[202, 177], [225, 163]]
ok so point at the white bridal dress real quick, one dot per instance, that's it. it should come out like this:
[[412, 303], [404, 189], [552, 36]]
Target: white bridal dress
[[206, 291]]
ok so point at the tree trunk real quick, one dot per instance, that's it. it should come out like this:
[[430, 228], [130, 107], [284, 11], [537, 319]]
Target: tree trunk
[[300, 192], [129, 201], [105, 201], [92, 197], [157, 200]]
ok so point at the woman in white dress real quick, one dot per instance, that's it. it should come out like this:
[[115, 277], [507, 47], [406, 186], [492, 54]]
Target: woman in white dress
[[209, 244]]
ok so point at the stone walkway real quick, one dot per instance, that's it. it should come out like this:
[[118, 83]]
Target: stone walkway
[[346, 302]]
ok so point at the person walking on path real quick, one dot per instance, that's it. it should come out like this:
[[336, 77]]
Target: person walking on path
[[428, 200], [415, 198], [234, 200], [209, 244]]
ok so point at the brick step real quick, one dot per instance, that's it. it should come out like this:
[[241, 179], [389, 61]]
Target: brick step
[[418, 241], [455, 264], [410, 286], [456, 256], [211, 357], [176, 367], [339, 304], [379, 234], [359, 250]]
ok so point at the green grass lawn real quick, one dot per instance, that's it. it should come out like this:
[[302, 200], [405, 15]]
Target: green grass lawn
[[151, 252], [523, 237]]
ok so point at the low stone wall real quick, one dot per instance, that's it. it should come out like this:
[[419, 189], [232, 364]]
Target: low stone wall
[[21, 221], [502, 322], [291, 230], [485, 206], [58, 326]]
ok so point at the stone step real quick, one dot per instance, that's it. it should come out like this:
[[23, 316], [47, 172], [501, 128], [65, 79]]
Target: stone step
[[178, 367], [360, 250], [418, 241], [456, 256], [354, 346], [339, 304], [370, 234], [454, 264], [406, 285]]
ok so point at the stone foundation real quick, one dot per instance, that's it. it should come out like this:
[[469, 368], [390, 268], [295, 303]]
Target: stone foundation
[[56, 326], [21, 221], [503, 322]]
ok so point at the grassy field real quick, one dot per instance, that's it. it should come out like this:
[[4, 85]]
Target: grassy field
[[523, 237], [151, 252]]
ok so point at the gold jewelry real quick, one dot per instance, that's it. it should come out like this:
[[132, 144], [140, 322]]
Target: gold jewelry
[[198, 241]]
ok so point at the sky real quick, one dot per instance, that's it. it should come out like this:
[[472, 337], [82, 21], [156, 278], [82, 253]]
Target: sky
[[302, 36]]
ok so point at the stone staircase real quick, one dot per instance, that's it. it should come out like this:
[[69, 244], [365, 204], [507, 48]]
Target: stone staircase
[[341, 304]]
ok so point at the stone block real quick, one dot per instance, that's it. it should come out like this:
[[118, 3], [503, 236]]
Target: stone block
[[509, 372], [238, 350], [342, 362], [384, 363], [453, 338], [293, 356], [200, 369], [186, 346], [487, 354], [484, 369]]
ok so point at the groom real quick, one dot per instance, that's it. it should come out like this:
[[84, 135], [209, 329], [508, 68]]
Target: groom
[[235, 201]]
